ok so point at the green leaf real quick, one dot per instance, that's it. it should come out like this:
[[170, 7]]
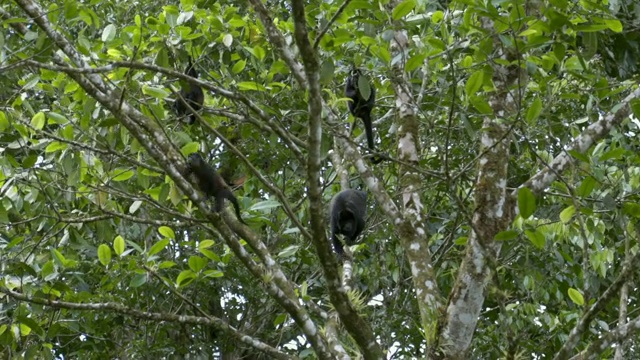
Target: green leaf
[[122, 175], [239, 66], [250, 85], [196, 263], [481, 104], [265, 205], [57, 255], [461, 240], [617, 153], [475, 82], [506, 235], [104, 254], [37, 121], [576, 296], [415, 61], [567, 214], [166, 265], [614, 25], [632, 209], [190, 148], [534, 110], [364, 86], [138, 280], [403, 9], [587, 186], [159, 246], [55, 146], [526, 202], [118, 245], [4, 123], [205, 244], [109, 33], [155, 92], [213, 273], [210, 255], [185, 277], [167, 232], [536, 237]]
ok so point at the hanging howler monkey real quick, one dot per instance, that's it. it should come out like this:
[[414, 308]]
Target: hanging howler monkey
[[192, 94], [361, 107], [211, 183], [347, 212]]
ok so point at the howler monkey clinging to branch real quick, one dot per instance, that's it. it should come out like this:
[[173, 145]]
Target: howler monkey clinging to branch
[[211, 183], [192, 94], [356, 90], [347, 212]]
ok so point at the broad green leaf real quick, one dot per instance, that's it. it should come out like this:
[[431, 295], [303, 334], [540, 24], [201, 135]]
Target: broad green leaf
[[534, 110], [118, 245], [205, 244], [210, 255], [437, 17], [250, 85], [190, 148], [104, 254], [138, 280], [567, 214], [415, 61], [213, 273], [265, 205], [238, 67], [167, 232], [506, 235], [461, 240], [614, 25], [632, 209], [196, 263], [38, 120], [617, 153], [403, 9], [156, 92], [185, 277], [4, 123], [57, 255], [475, 82], [536, 237], [526, 202], [159, 246], [576, 296], [122, 175], [166, 265], [587, 186], [364, 86], [55, 146]]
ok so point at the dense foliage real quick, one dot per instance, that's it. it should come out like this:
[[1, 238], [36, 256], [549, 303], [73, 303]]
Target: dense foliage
[[515, 111]]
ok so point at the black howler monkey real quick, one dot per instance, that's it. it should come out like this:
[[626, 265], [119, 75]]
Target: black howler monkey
[[211, 183], [192, 94], [361, 107], [347, 212]]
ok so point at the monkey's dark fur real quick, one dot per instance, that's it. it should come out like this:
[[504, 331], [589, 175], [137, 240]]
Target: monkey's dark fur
[[361, 107], [192, 94], [211, 183], [347, 211]]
